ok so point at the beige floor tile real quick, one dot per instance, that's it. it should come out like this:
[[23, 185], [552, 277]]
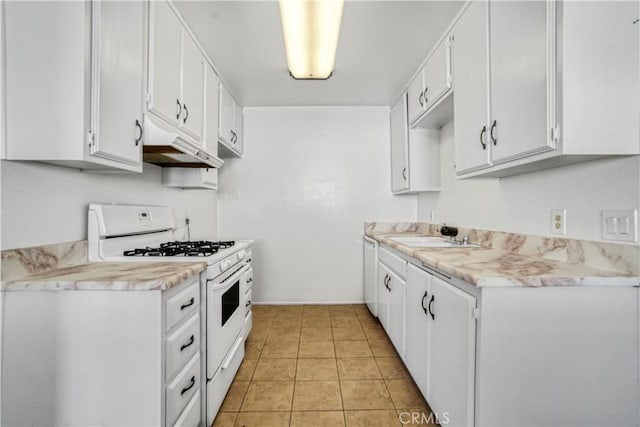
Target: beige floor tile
[[263, 419], [404, 393], [386, 418], [316, 334], [280, 350], [225, 419], [347, 334], [353, 349], [316, 349], [361, 309], [317, 419], [290, 309], [358, 368], [382, 348], [317, 396], [268, 396], [275, 370], [253, 350], [316, 369], [233, 400], [392, 368], [316, 322], [283, 334], [365, 394], [344, 321], [315, 309], [248, 366], [375, 333], [287, 322], [368, 321]]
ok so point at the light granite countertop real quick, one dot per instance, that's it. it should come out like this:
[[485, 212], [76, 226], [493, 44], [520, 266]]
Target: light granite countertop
[[487, 266], [108, 276]]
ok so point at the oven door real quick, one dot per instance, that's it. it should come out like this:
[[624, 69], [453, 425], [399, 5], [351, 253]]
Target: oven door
[[225, 315]]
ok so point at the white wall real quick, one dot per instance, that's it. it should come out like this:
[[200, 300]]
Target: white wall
[[44, 204], [309, 179], [523, 203]]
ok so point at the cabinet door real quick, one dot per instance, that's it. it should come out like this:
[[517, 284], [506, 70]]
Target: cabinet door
[[416, 97], [437, 77], [451, 352], [192, 88], [470, 79], [399, 146], [369, 275], [164, 63], [519, 55], [118, 37], [211, 111], [225, 125], [383, 295], [417, 321], [397, 289], [238, 124]]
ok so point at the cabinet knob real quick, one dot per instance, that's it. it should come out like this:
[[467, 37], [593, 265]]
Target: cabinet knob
[[493, 137], [179, 113], [482, 132], [139, 138]]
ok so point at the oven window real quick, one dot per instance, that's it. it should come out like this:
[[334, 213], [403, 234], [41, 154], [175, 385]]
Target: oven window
[[230, 301]]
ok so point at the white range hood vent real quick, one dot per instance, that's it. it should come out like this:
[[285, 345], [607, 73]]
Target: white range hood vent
[[167, 148]]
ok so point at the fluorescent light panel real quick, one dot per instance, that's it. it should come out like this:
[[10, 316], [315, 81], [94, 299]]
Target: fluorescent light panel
[[311, 29]]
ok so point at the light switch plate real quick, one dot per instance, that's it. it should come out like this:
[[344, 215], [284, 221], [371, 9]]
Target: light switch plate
[[619, 225], [559, 221]]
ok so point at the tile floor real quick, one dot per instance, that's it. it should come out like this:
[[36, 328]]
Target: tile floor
[[320, 365]]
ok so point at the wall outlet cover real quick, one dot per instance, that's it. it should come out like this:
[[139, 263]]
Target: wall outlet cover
[[559, 221]]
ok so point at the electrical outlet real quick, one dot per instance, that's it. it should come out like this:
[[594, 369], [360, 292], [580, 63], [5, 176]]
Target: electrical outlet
[[620, 225], [559, 221]]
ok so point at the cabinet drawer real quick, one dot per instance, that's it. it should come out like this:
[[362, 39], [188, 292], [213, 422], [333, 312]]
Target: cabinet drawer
[[190, 417], [394, 262], [182, 388], [182, 345], [217, 388], [184, 304]]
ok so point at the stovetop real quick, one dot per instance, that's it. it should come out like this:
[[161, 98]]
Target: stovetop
[[201, 248]]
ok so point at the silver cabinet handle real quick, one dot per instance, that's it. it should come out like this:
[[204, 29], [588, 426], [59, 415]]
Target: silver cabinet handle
[[404, 174], [493, 137], [482, 132]]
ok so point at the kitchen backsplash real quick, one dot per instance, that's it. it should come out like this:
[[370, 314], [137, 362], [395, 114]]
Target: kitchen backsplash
[[40, 259], [608, 256]]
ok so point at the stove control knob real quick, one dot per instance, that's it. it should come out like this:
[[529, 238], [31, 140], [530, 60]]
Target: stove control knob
[[241, 254], [224, 265]]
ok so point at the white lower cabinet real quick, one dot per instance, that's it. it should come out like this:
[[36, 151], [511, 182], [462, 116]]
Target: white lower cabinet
[[515, 356], [370, 273], [109, 358]]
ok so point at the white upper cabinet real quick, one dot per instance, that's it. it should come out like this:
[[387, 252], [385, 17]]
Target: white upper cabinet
[[230, 129], [562, 84], [192, 88], [520, 37], [176, 74], [471, 90], [212, 110], [415, 154], [165, 63], [415, 97], [74, 77]]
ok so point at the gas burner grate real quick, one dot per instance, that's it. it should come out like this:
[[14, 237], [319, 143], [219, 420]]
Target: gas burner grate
[[200, 248]]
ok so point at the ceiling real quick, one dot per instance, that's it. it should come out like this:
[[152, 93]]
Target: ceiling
[[380, 47]]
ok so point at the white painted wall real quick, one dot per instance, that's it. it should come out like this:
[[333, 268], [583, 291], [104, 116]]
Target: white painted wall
[[309, 179], [523, 203], [44, 204]]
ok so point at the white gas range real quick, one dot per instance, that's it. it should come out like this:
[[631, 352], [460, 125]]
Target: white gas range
[[126, 233]]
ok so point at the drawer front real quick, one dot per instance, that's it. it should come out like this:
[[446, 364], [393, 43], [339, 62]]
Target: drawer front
[[184, 304], [217, 388], [182, 345], [394, 262], [190, 417], [182, 389], [248, 278]]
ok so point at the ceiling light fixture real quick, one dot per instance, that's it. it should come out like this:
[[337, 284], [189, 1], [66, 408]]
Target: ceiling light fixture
[[311, 29]]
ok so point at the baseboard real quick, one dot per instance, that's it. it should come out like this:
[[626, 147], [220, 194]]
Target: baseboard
[[305, 302]]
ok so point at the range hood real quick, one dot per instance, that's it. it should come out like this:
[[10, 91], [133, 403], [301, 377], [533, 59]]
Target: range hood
[[168, 148]]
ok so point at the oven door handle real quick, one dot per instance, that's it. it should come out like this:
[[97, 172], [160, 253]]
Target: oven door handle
[[229, 281], [232, 353]]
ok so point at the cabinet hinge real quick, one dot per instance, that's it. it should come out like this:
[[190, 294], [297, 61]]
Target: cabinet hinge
[[91, 138], [476, 312], [148, 99], [555, 134]]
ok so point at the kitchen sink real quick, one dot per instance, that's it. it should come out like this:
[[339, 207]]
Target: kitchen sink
[[431, 242]]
